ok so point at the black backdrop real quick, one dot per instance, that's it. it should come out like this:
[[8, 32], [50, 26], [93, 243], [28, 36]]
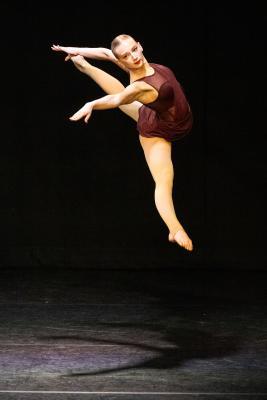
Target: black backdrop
[[82, 195]]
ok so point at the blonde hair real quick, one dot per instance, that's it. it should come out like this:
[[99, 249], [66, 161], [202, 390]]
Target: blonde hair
[[117, 41]]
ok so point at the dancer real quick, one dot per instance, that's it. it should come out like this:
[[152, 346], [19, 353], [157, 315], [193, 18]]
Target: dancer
[[155, 100]]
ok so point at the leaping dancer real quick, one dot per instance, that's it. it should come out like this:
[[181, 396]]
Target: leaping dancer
[[155, 100]]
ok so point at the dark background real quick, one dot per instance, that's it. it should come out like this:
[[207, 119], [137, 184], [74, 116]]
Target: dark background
[[81, 195]]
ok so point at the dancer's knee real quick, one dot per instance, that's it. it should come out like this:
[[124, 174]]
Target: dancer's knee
[[163, 176]]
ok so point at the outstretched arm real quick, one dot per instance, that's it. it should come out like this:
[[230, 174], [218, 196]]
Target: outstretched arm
[[97, 53], [133, 92]]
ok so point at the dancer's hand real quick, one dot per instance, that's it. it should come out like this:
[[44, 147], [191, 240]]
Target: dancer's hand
[[85, 112], [67, 50]]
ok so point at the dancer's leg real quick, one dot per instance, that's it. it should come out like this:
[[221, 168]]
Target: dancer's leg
[[158, 156], [157, 152], [108, 83]]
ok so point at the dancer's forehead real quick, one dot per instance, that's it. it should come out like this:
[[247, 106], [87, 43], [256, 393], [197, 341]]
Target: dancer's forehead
[[125, 46]]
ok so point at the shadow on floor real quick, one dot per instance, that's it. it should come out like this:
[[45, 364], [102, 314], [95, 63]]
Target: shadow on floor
[[180, 345]]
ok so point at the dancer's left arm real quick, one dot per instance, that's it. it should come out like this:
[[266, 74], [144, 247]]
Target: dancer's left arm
[[135, 91]]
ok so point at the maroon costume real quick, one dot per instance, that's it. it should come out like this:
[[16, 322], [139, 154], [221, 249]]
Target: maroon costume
[[169, 116]]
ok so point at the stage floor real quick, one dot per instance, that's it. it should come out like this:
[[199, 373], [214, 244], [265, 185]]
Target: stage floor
[[132, 334]]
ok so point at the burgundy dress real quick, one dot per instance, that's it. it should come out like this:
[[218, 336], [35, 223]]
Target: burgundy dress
[[169, 116]]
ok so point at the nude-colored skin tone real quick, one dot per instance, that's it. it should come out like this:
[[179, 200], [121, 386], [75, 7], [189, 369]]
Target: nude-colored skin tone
[[157, 151]]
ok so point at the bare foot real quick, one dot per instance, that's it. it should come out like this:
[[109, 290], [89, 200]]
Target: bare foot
[[182, 239]]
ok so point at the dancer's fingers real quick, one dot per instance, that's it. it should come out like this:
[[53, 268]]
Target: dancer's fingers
[[87, 118], [75, 117]]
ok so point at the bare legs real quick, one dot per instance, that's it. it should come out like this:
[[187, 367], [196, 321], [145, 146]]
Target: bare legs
[[108, 83], [158, 157], [157, 153]]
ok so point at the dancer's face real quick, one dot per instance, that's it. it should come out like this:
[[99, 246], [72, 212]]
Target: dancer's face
[[130, 53]]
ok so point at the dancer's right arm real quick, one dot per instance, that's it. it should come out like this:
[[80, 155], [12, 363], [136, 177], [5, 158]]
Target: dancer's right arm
[[97, 53]]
